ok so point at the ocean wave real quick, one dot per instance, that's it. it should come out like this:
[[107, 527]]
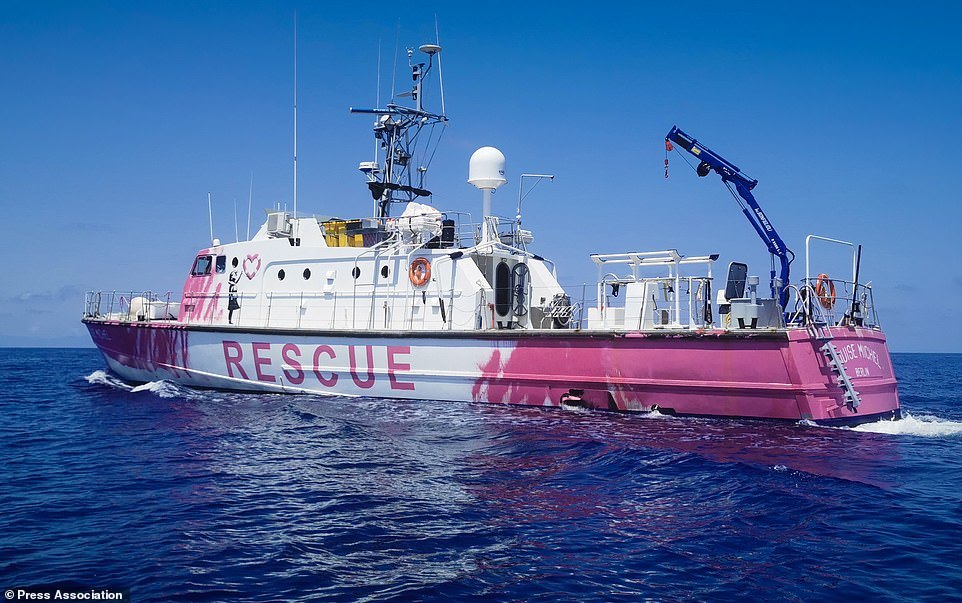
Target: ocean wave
[[928, 426]]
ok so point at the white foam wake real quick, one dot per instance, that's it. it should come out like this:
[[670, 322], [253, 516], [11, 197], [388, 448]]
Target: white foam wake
[[928, 426], [162, 389], [102, 378]]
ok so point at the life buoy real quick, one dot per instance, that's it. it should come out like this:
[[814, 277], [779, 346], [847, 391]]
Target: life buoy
[[420, 272], [825, 290]]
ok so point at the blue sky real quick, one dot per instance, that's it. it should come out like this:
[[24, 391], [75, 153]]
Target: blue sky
[[116, 119]]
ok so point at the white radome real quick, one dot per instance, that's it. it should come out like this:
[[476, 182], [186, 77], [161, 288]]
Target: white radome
[[486, 168]]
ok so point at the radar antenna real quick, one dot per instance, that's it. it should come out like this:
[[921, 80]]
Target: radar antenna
[[407, 136]]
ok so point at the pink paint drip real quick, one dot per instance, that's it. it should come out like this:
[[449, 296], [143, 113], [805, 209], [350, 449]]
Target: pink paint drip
[[144, 347], [199, 303]]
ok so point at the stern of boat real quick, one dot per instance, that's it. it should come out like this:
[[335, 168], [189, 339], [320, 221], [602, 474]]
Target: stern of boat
[[846, 375]]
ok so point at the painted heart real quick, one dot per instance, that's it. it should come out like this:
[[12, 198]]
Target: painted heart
[[252, 263]]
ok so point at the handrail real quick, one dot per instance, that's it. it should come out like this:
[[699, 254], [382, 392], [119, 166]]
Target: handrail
[[326, 309], [808, 240]]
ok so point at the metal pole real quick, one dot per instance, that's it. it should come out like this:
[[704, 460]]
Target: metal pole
[[210, 219], [295, 119], [486, 234]]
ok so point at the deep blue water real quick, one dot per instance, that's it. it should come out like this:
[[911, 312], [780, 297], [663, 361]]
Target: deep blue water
[[181, 495]]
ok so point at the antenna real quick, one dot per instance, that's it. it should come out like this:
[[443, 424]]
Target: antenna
[[295, 119], [377, 96], [236, 238], [397, 42], [486, 172], [521, 196], [250, 197], [405, 132], [437, 40], [210, 218]]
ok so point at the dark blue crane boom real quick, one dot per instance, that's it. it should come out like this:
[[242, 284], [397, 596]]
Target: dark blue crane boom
[[732, 176]]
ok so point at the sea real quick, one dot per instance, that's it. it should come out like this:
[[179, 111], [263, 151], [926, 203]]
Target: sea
[[165, 493]]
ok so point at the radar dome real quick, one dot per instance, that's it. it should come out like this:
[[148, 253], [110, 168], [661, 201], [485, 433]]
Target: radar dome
[[486, 168]]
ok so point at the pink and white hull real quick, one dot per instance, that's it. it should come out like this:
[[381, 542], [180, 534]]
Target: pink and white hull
[[772, 375]]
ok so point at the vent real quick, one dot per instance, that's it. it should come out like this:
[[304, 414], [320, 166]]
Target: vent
[[279, 224]]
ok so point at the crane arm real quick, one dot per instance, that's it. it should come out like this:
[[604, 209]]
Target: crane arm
[[732, 176]]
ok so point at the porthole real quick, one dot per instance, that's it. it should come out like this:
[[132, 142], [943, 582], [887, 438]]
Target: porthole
[[307, 273], [356, 272], [384, 272], [280, 274]]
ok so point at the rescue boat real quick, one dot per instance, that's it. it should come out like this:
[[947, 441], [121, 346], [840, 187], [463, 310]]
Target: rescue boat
[[431, 305]]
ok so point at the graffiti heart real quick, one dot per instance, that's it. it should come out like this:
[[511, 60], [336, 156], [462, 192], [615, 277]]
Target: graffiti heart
[[252, 263]]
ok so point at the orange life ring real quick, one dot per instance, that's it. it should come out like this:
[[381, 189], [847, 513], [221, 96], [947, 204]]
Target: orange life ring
[[420, 272], [825, 290]]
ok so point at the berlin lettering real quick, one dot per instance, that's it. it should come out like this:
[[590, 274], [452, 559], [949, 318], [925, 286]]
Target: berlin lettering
[[256, 362]]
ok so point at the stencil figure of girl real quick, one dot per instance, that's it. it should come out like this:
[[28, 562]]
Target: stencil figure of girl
[[232, 302]]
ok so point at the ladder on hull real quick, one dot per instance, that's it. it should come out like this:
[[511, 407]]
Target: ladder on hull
[[822, 334]]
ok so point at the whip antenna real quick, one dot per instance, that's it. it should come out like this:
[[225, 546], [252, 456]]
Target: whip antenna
[[210, 218], [295, 117], [397, 42], [250, 197], [437, 40], [377, 95]]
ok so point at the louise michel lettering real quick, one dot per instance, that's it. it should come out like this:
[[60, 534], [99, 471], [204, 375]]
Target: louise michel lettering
[[295, 364], [853, 351]]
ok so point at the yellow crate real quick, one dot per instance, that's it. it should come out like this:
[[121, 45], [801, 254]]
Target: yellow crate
[[334, 227]]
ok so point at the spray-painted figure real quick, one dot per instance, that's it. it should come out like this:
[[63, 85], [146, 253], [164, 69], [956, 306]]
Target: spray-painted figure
[[232, 303]]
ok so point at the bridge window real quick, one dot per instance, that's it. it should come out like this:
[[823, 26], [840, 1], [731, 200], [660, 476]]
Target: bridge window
[[201, 265], [221, 264]]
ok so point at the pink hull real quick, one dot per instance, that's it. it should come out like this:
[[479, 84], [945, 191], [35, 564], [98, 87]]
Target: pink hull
[[772, 377], [768, 375]]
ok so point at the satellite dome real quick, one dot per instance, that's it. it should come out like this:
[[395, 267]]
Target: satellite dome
[[486, 168]]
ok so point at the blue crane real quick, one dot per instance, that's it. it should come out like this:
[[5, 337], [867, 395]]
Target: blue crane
[[732, 176]]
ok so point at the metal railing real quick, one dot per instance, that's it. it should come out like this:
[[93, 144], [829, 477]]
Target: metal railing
[[851, 304], [421, 309], [129, 306], [364, 308]]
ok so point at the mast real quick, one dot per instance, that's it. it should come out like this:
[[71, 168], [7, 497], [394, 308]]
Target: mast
[[406, 134], [210, 218], [295, 119]]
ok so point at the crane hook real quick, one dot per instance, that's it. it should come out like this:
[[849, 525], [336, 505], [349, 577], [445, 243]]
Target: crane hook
[[668, 147]]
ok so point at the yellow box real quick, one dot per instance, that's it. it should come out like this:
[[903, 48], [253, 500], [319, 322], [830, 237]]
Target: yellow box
[[334, 227]]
